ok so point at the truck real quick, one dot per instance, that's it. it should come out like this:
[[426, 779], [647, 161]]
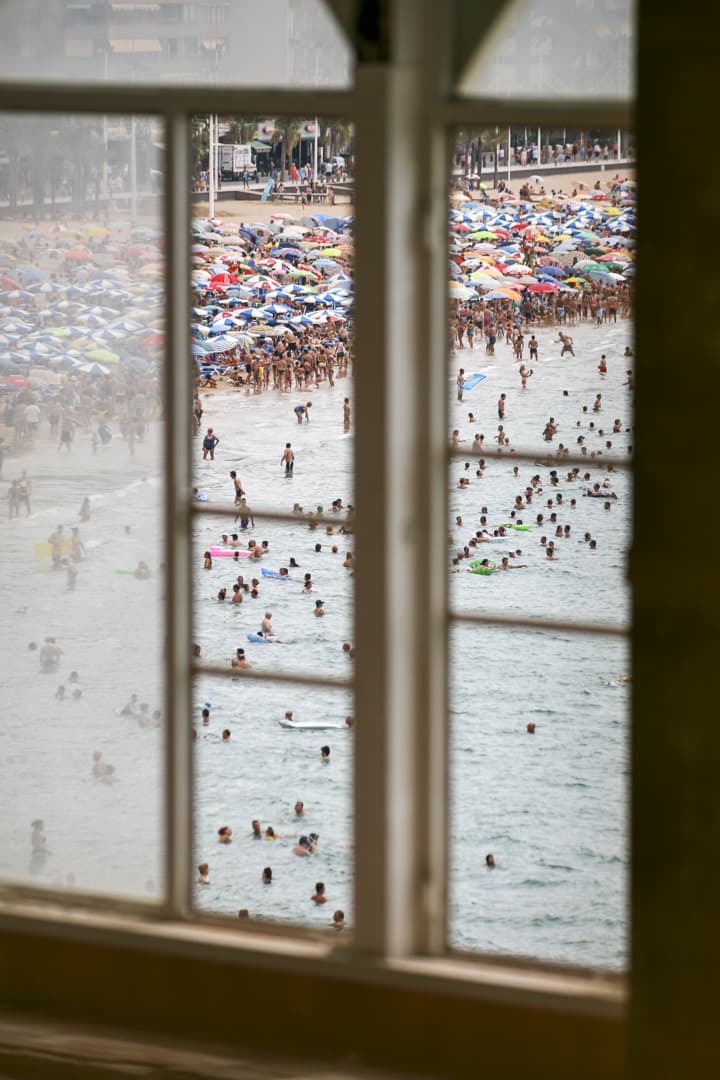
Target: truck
[[234, 159]]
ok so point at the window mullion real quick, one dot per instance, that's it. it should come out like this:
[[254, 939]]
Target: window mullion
[[400, 609], [178, 581]]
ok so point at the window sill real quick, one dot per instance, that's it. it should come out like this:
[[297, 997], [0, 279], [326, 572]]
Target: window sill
[[324, 956]]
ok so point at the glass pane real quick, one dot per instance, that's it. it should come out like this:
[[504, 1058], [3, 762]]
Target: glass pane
[[556, 49], [541, 359], [81, 325], [272, 338], [235, 43], [269, 772], [540, 768]]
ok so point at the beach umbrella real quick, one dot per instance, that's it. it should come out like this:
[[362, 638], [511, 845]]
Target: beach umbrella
[[461, 292], [274, 331], [15, 327], [94, 369], [554, 271], [102, 356]]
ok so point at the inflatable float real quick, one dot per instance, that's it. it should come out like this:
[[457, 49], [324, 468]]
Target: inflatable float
[[219, 553], [310, 725], [472, 381]]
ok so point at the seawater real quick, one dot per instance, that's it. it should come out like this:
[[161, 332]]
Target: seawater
[[551, 807]]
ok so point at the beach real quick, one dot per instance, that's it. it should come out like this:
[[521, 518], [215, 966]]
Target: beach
[[550, 805]]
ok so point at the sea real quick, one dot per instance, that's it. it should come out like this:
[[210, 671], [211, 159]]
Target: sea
[[552, 807]]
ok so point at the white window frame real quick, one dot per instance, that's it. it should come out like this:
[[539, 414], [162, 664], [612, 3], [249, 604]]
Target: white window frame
[[404, 118]]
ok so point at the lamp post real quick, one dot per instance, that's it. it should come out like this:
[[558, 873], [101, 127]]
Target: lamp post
[[211, 166]]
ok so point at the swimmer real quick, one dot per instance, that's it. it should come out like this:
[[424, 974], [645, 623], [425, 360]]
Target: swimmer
[[100, 767], [299, 808], [267, 876], [224, 834], [567, 344], [239, 661], [207, 561], [270, 834], [319, 896], [319, 609], [108, 777], [50, 654], [38, 840], [226, 735], [132, 706], [256, 830], [203, 874], [302, 847], [266, 624], [490, 861], [339, 915], [325, 755], [530, 728]]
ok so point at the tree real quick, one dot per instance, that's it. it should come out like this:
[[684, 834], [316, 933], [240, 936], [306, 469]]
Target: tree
[[334, 135], [200, 143], [242, 129], [287, 134], [15, 141]]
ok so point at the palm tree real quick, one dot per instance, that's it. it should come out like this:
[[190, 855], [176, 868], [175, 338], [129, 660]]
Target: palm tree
[[199, 146], [334, 135], [14, 140], [242, 129], [287, 134]]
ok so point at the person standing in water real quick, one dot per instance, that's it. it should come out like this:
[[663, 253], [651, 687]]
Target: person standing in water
[[237, 484], [209, 443], [288, 459]]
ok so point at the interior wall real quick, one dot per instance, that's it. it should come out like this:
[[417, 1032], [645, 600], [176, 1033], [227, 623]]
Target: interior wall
[[304, 1015]]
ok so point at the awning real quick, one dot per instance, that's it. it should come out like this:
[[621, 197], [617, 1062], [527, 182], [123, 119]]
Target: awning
[[260, 147]]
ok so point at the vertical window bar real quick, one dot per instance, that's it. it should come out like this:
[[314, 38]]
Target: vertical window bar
[[178, 402], [400, 609]]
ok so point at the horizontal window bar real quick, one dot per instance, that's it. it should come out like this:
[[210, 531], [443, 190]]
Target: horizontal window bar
[[594, 113], [540, 457], [71, 899], [300, 678], [571, 626], [154, 100], [202, 509]]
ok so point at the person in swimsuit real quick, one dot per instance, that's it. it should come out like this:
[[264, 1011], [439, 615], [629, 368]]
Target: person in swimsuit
[[288, 459], [209, 443]]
